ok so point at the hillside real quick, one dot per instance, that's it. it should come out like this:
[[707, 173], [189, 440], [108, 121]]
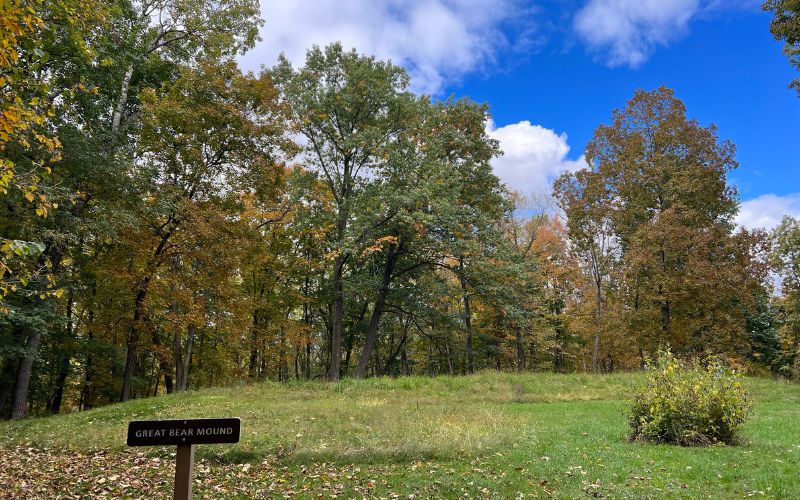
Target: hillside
[[488, 435]]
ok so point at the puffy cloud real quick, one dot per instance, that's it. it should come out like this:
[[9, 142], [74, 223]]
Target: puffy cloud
[[631, 30], [767, 210], [533, 156], [438, 41]]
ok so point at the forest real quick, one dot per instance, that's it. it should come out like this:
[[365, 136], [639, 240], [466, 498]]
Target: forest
[[170, 222]]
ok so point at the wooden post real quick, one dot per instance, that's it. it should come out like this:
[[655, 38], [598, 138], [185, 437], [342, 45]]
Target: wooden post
[[183, 472], [184, 434]]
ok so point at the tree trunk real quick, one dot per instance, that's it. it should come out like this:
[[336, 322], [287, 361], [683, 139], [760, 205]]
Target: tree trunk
[[183, 358], [283, 368], [86, 390], [164, 364], [338, 311], [54, 405], [665, 321], [138, 308], [133, 339], [308, 361], [253, 365], [119, 109], [597, 324], [520, 350], [297, 355], [404, 361], [467, 315], [449, 358], [377, 311], [24, 375], [85, 402], [127, 375], [664, 301], [393, 353]]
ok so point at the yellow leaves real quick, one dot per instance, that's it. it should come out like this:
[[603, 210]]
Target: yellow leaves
[[333, 254], [387, 239], [378, 245]]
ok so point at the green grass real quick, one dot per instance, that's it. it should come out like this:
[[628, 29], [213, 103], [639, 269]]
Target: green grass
[[490, 434]]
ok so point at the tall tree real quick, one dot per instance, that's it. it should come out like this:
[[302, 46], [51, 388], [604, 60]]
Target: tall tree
[[670, 209], [212, 126], [350, 109], [42, 41], [587, 202], [427, 189]]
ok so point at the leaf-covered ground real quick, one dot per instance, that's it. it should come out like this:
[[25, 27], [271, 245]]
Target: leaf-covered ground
[[489, 435]]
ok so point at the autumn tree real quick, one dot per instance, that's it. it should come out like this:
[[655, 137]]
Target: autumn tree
[[36, 38], [587, 201], [662, 182], [212, 126], [785, 259], [427, 194]]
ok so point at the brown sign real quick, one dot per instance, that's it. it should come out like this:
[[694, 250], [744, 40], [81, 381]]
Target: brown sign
[[183, 432]]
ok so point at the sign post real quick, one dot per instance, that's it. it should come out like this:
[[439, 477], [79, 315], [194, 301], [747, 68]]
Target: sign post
[[184, 434], [183, 472]]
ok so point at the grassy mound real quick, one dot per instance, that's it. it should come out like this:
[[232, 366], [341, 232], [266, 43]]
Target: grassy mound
[[483, 435]]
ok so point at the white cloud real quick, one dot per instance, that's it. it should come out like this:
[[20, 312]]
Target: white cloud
[[629, 31], [438, 41], [767, 210], [534, 156]]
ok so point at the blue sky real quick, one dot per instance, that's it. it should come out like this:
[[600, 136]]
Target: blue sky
[[551, 71]]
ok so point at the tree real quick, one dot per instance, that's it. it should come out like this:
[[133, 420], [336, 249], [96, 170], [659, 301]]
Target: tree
[[785, 26], [213, 125], [427, 191], [180, 31], [351, 109], [587, 202], [33, 37], [785, 259], [661, 179], [40, 41]]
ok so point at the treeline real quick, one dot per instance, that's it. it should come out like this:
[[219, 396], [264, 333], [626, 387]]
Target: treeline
[[170, 222]]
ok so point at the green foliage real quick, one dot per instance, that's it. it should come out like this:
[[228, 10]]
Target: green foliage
[[785, 26], [689, 404]]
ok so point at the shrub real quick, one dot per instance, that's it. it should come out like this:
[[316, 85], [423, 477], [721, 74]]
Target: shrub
[[690, 404]]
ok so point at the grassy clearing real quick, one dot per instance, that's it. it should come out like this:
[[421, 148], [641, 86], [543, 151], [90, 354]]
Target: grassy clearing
[[488, 435]]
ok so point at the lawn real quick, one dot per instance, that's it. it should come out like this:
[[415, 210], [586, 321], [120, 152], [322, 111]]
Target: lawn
[[487, 435]]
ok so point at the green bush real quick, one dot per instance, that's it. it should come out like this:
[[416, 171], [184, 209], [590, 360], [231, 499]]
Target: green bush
[[690, 404]]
